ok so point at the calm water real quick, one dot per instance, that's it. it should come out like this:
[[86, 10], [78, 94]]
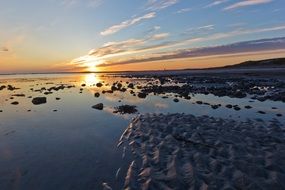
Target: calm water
[[75, 147]]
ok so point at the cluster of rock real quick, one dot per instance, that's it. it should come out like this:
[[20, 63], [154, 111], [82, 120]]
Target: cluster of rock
[[260, 89]]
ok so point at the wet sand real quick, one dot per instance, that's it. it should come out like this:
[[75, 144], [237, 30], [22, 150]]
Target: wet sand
[[178, 151]]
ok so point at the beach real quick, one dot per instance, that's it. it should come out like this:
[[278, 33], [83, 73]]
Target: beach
[[183, 130]]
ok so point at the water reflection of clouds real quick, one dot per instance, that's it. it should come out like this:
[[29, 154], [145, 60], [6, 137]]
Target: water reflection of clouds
[[161, 105], [124, 116]]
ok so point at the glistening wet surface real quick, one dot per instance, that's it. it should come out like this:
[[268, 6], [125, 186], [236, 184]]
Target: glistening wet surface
[[66, 144]]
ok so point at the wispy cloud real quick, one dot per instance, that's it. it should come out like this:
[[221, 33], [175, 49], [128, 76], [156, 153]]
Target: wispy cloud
[[183, 10], [200, 29], [240, 47], [90, 3], [125, 24], [247, 3], [114, 52], [215, 3], [160, 36], [155, 5]]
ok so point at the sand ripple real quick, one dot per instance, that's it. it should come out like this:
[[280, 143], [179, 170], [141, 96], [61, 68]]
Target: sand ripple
[[180, 151]]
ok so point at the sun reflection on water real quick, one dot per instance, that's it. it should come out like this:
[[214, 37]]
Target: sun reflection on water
[[90, 79]]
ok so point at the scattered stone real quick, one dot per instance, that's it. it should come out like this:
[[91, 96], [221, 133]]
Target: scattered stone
[[199, 102], [99, 84], [2, 87], [237, 108], [97, 94], [142, 95], [99, 106], [15, 103], [47, 93], [279, 115], [247, 107], [261, 112], [229, 106], [19, 95], [11, 88], [176, 100], [215, 106], [39, 100], [125, 109], [57, 98], [83, 85], [131, 85]]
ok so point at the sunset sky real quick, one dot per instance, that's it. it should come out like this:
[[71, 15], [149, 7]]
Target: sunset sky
[[107, 35]]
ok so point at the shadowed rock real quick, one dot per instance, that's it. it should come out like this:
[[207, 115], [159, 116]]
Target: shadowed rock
[[15, 103], [39, 100], [99, 84], [125, 109], [97, 94], [142, 95], [99, 106]]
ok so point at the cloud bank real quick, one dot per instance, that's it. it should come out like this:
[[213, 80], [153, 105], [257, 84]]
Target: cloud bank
[[239, 47]]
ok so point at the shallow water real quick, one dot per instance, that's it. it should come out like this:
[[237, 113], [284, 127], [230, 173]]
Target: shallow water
[[74, 147]]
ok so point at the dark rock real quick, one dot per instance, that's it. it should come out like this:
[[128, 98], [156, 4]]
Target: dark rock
[[47, 93], [99, 106], [83, 85], [247, 107], [237, 108], [39, 100], [57, 98], [229, 106], [119, 85], [99, 84], [215, 106], [131, 85], [279, 115], [125, 109], [142, 95], [2, 87], [19, 95], [11, 88], [261, 112], [199, 102], [175, 100], [15, 103], [97, 94]]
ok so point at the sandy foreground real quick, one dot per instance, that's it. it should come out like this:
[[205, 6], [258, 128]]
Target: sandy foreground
[[178, 151]]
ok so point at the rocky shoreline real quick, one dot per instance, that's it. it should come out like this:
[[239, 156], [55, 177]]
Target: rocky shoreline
[[178, 151]]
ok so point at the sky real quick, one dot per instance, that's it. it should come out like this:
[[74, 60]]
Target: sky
[[114, 35]]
